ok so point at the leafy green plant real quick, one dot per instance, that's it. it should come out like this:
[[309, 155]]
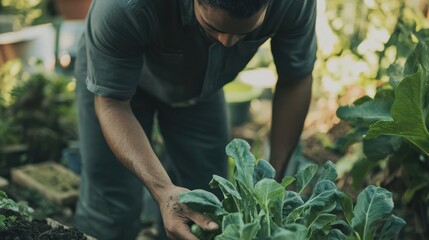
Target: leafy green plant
[[393, 126], [38, 111], [31, 12], [255, 206], [21, 208]]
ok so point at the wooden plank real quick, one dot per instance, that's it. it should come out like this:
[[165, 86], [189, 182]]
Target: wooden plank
[[3, 183]]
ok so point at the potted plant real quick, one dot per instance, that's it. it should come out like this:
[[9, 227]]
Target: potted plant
[[72, 9], [16, 14], [39, 112], [238, 96]]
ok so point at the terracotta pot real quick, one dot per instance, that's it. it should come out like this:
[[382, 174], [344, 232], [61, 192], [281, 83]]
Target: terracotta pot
[[72, 9]]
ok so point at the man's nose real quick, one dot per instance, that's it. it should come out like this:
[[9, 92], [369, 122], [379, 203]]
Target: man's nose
[[228, 40]]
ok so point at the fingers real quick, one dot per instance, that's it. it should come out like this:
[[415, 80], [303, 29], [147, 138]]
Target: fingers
[[179, 229], [177, 217], [203, 221], [181, 232]]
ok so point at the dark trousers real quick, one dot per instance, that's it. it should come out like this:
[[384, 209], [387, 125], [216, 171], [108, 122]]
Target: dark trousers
[[194, 138]]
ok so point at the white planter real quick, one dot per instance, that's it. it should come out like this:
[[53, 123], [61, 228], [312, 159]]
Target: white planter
[[30, 42]]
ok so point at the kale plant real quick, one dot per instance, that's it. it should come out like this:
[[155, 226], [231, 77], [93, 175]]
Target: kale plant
[[21, 209], [255, 206]]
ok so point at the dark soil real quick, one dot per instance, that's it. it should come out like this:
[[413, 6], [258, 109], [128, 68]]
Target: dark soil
[[319, 147], [42, 207], [22, 229]]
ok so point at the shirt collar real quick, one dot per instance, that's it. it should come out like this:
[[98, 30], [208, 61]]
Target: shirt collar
[[187, 12]]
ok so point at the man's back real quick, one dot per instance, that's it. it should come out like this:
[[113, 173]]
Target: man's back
[[160, 46]]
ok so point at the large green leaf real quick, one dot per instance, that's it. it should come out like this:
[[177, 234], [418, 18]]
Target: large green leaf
[[320, 222], [232, 232], [355, 135], [263, 169], [323, 196], [329, 172], [228, 189], [344, 226], [346, 203], [287, 180], [373, 205], [396, 73], [360, 171], [292, 200], [250, 229], [232, 199], [291, 231], [267, 191], [230, 205], [239, 150], [232, 219], [391, 228], [368, 112], [276, 212], [232, 225], [201, 201], [336, 234], [250, 211], [304, 176], [409, 113], [418, 59], [270, 193], [381, 147]]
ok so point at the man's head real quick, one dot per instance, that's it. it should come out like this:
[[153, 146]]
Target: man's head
[[237, 8], [228, 21]]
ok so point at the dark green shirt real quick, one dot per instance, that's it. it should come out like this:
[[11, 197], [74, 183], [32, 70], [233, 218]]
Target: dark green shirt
[[159, 46]]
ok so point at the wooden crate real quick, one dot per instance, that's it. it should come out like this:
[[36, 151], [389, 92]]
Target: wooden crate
[[3, 183], [51, 179]]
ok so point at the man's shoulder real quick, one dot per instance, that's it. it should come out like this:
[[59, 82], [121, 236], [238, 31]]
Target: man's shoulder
[[133, 5], [292, 4], [292, 11]]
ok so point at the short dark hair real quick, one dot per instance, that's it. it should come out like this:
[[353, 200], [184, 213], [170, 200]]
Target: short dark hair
[[237, 8]]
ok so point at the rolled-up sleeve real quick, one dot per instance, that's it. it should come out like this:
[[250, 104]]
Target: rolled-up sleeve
[[294, 46], [115, 40]]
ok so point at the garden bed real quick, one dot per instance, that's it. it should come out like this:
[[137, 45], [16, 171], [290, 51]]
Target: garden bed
[[45, 229]]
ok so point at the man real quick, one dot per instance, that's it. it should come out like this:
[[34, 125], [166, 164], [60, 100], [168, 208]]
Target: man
[[170, 59]]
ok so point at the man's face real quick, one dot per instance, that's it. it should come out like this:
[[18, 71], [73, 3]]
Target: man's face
[[227, 30]]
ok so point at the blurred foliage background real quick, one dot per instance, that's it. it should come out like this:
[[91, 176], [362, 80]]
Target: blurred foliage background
[[366, 48]]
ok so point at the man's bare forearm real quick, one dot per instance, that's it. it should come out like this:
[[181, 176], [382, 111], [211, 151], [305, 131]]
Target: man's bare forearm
[[128, 141], [290, 107]]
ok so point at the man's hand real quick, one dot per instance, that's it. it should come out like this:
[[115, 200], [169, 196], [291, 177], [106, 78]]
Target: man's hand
[[178, 217]]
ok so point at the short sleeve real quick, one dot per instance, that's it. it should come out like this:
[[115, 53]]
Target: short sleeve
[[294, 46], [115, 39]]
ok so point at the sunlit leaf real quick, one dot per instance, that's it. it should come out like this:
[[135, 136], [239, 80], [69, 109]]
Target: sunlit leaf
[[409, 112], [368, 112]]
